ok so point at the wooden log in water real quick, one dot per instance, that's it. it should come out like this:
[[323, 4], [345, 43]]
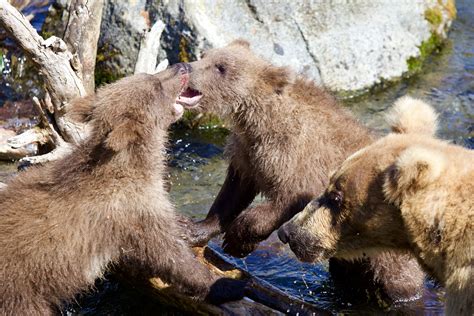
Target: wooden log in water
[[262, 298]]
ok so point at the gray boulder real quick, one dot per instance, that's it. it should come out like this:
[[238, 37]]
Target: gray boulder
[[348, 46]]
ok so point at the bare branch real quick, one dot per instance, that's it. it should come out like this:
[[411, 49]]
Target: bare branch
[[10, 153], [53, 61], [66, 75], [34, 135], [149, 49], [55, 154], [81, 35]]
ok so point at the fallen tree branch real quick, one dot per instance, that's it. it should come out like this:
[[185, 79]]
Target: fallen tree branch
[[62, 72], [262, 298], [52, 59], [10, 153]]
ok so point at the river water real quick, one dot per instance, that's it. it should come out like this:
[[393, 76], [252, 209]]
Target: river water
[[198, 170]]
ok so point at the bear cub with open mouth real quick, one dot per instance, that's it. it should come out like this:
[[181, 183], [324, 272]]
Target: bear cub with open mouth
[[287, 134], [104, 204]]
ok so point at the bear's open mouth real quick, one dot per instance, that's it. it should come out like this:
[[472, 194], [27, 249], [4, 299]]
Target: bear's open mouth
[[178, 108], [189, 98]]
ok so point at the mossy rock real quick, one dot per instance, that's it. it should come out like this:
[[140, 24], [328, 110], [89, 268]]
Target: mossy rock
[[433, 44], [438, 17], [105, 74]]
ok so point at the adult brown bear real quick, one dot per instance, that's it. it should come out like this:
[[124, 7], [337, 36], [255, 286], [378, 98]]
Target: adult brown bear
[[408, 191], [63, 224], [287, 135]]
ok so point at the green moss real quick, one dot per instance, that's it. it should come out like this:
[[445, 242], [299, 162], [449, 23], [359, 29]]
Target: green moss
[[414, 64], [103, 73], [434, 16], [46, 34], [434, 43]]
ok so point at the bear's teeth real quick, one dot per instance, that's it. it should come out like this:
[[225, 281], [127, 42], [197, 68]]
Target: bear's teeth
[[189, 102], [178, 110]]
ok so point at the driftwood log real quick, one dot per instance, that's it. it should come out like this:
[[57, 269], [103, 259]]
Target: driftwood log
[[67, 68], [10, 153], [81, 36], [62, 71], [261, 298]]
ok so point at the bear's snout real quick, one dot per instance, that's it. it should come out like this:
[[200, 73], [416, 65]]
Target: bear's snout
[[183, 67], [284, 233]]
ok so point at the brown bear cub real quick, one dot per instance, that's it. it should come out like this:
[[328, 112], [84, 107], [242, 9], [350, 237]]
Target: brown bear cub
[[287, 134], [407, 191], [63, 224]]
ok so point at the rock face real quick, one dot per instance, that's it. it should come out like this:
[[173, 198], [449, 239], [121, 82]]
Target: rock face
[[346, 46]]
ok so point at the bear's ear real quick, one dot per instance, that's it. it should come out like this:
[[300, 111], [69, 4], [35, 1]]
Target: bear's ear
[[414, 169], [409, 115], [276, 77], [80, 109], [241, 42], [123, 135]]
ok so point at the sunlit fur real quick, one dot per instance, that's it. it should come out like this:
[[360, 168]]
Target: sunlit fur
[[63, 224], [407, 191], [287, 134], [410, 115]]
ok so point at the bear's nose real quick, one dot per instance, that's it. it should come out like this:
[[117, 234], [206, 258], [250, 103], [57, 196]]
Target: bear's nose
[[186, 67], [284, 234]]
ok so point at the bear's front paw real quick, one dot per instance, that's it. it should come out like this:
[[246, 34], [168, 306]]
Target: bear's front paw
[[197, 234], [243, 236], [237, 248], [225, 290]]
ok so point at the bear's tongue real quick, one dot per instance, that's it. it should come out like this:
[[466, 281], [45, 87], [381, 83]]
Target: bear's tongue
[[189, 97]]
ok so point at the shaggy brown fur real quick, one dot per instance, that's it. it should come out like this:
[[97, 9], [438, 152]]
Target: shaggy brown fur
[[287, 134], [407, 191], [63, 224]]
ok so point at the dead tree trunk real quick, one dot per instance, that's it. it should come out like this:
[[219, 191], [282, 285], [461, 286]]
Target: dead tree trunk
[[63, 71], [81, 37]]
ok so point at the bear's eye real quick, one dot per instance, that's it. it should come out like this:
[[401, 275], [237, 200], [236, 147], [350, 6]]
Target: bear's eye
[[221, 69], [335, 198]]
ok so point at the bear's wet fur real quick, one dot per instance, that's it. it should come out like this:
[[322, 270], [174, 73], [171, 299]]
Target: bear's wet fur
[[287, 135], [63, 224]]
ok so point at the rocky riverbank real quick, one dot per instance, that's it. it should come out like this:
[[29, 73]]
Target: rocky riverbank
[[349, 47]]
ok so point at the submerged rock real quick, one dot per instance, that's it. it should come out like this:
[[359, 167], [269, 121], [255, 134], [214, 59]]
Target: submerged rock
[[346, 46]]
